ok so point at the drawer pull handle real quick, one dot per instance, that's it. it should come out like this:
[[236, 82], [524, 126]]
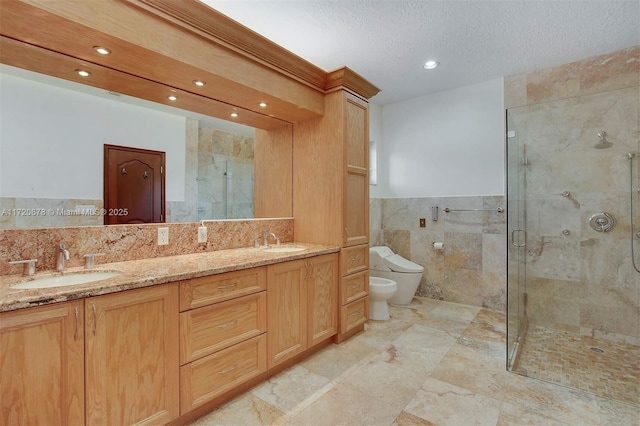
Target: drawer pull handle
[[75, 333], [354, 286], [356, 313], [228, 324], [95, 318], [228, 370], [222, 287]]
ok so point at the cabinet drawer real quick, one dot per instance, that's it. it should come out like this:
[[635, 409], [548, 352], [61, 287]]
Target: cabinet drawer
[[204, 291], [211, 328], [209, 377], [354, 314], [354, 287], [354, 259]]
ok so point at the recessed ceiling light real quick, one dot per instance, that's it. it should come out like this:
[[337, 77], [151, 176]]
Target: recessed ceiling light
[[262, 104], [83, 73], [234, 114], [101, 50], [199, 83], [172, 97], [429, 65]]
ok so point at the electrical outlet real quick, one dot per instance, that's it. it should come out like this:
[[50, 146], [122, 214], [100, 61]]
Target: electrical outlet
[[423, 223], [202, 234], [163, 236]]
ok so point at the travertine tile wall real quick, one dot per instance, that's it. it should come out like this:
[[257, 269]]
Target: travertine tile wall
[[472, 267], [576, 278]]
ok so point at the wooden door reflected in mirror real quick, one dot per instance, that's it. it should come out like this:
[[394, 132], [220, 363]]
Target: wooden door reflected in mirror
[[133, 185]]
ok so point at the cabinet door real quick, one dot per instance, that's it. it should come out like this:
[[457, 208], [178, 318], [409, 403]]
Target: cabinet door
[[356, 194], [322, 288], [41, 365], [286, 311], [132, 356]]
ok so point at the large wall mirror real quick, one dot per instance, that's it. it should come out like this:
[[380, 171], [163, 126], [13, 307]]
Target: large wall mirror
[[52, 133]]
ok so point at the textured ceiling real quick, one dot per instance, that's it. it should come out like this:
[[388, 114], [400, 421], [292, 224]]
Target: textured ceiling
[[388, 41]]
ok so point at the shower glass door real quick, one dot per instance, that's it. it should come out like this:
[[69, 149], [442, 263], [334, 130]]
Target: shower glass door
[[516, 241], [573, 293]]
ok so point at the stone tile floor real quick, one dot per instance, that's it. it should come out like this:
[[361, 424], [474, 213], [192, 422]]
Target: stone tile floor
[[604, 368], [433, 363]]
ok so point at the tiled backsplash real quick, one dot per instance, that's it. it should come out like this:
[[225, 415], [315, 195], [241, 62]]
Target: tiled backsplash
[[130, 242], [472, 267]]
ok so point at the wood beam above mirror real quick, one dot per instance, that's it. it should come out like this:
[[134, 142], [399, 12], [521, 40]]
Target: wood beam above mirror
[[147, 46], [26, 56], [173, 43]]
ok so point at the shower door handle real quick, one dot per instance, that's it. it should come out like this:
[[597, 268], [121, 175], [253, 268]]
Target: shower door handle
[[513, 239]]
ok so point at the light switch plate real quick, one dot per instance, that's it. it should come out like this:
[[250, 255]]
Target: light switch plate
[[202, 234], [163, 236]]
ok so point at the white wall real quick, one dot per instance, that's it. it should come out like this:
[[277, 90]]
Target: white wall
[[375, 135], [450, 143], [51, 140]]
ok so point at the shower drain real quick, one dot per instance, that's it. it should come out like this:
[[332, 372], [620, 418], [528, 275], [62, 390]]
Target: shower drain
[[597, 350]]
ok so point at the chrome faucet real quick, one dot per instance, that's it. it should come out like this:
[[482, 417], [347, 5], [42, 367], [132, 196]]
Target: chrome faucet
[[266, 235], [63, 255]]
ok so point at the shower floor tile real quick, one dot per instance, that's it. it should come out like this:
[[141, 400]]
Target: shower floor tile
[[604, 368]]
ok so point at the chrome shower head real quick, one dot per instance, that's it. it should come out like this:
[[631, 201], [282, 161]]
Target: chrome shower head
[[603, 142]]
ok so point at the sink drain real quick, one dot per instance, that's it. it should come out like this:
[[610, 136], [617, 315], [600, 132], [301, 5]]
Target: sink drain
[[597, 350]]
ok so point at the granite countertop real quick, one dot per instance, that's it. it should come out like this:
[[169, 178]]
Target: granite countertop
[[148, 272]]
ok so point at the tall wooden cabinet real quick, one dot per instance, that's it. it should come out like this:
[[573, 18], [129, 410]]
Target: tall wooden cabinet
[[42, 365], [331, 193]]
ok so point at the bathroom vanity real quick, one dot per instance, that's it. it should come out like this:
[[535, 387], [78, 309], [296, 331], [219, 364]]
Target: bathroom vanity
[[185, 326], [161, 342]]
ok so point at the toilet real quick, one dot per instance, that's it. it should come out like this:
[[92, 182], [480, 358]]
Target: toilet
[[380, 290], [384, 263]]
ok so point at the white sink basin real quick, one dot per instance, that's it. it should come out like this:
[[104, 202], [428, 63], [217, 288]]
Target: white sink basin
[[67, 279], [283, 249]]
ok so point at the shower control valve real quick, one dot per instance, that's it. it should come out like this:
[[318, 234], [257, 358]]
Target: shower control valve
[[602, 222]]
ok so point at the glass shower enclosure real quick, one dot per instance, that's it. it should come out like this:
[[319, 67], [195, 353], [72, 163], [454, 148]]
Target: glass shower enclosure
[[573, 314]]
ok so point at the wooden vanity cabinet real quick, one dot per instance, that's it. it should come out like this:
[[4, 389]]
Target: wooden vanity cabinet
[[223, 324], [42, 365], [131, 356], [322, 298], [286, 317], [110, 359], [302, 300]]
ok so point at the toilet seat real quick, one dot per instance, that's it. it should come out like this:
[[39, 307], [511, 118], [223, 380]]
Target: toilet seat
[[381, 258], [397, 263]]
